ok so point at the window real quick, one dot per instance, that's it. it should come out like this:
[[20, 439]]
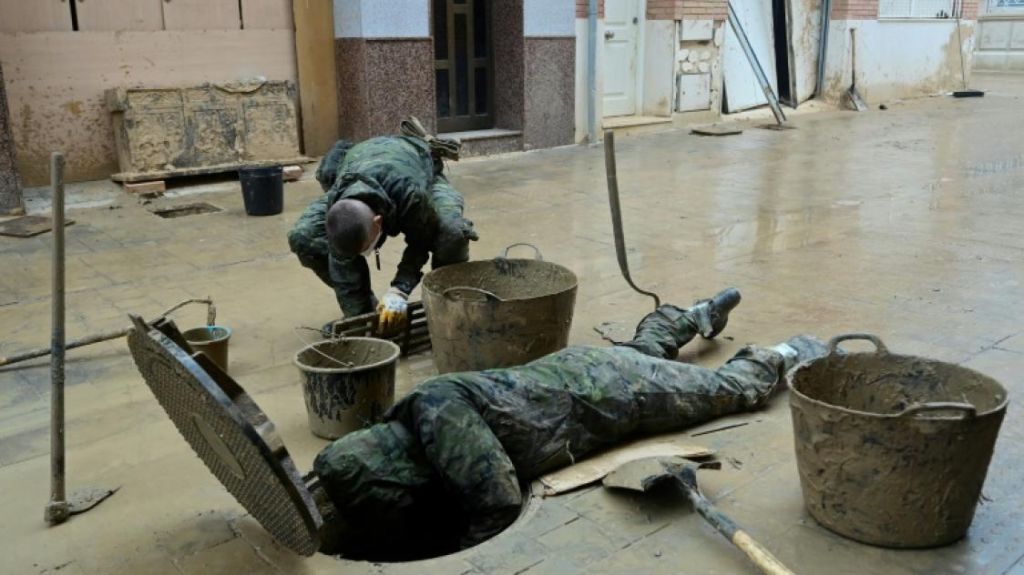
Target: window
[[998, 6], [916, 8]]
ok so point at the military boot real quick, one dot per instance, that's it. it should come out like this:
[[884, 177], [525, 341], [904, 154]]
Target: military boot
[[712, 315], [801, 348]]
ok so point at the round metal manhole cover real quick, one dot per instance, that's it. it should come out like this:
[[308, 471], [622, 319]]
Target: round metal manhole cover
[[232, 436]]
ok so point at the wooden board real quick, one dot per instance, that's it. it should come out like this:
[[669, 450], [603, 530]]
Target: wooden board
[[595, 468], [202, 15], [268, 14], [34, 15], [318, 90], [100, 15], [28, 226]]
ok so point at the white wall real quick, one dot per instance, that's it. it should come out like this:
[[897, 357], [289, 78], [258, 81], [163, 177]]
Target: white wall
[[381, 19], [897, 59], [549, 18], [659, 67], [1001, 42]]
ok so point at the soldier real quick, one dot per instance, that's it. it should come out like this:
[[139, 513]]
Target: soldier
[[444, 470], [378, 188]]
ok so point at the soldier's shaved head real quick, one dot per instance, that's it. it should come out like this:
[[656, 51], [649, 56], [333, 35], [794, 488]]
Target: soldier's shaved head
[[349, 226]]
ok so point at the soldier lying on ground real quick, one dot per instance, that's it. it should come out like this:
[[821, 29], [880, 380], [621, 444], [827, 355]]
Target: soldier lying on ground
[[382, 187], [446, 467]]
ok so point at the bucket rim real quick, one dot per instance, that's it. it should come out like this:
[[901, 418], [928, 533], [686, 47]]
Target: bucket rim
[[392, 357], [575, 284], [796, 393], [226, 337]]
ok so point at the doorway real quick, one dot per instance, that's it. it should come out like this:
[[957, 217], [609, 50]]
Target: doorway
[[463, 65], [622, 64]]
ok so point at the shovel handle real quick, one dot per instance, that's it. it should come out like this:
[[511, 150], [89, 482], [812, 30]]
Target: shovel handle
[[757, 553]]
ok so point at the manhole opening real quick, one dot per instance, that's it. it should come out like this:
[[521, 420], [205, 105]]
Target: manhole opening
[[187, 210], [432, 529]]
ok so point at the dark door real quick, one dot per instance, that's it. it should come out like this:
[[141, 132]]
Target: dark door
[[463, 65]]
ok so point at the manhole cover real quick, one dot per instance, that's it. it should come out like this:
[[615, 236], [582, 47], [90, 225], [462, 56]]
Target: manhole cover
[[187, 210]]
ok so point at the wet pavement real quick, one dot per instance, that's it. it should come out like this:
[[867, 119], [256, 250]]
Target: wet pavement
[[905, 223]]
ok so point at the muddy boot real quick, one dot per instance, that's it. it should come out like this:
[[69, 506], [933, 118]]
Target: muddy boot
[[713, 314], [801, 348]]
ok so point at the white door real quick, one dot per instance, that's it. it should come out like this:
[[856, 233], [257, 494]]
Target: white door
[[742, 90], [622, 21]]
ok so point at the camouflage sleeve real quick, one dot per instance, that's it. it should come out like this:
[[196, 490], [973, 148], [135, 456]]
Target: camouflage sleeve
[[327, 172], [410, 269], [448, 203], [465, 453]]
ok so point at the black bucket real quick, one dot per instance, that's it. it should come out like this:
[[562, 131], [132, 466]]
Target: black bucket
[[262, 190]]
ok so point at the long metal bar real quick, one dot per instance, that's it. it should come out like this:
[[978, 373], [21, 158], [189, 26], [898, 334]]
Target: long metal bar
[[57, 509], [592, 71], [613, 201], [826, 17], [766, 86]]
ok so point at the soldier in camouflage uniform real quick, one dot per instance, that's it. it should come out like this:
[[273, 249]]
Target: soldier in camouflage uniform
[[468, 441], [399, 179]]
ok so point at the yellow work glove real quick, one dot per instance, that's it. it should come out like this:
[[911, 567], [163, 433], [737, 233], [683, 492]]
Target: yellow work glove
[[392, 311]]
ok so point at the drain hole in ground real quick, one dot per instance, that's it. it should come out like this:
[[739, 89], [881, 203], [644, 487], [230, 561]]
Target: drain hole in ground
[[187, 210], [429, 528]]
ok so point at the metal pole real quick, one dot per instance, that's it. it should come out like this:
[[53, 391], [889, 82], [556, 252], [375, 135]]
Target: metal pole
[[613, 201], [57, 509], [826, 17], [592, 71], [769, 94]]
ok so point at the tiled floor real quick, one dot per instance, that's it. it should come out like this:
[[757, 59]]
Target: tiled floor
[[905, 223]]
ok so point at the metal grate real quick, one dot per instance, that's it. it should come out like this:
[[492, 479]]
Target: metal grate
[[415, 338]]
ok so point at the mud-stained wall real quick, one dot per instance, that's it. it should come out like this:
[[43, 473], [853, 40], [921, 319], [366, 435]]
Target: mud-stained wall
[[897, 59], [55, 83], [10, 187]]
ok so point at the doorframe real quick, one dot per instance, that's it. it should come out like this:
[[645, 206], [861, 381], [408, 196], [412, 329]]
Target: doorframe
[[641, 56]]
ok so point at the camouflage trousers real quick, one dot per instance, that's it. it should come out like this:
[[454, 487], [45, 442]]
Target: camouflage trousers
[[473, 438]]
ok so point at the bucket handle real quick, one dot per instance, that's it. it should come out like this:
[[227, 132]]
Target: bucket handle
[[537, 255], [451, 292], [880, 349], [969, 410]]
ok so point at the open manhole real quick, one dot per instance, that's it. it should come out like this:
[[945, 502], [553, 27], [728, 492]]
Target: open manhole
[[240, 446], [187, 210]]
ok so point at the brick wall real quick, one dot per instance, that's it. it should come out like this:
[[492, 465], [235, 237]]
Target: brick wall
[[687, 9], [970, 9], [855, 10], [581, 8]]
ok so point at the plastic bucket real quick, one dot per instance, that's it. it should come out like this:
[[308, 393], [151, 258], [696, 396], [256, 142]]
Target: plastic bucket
[[893, 449], [262, 190], [498, 313], [212, 341], [348, 384]]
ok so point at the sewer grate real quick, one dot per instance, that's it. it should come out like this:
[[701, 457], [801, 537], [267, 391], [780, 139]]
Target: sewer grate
[[187, 210]]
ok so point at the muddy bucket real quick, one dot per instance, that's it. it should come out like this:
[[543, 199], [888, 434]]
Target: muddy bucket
[[498, 313], [262, 190], [348, 383], [212, 341], [893, 449]]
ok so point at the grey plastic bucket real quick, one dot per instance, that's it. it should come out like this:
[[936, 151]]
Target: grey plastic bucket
[[893, 449], [498, 313], [348, 384]]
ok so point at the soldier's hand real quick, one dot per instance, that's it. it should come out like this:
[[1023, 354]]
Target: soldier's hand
[[392, 311]]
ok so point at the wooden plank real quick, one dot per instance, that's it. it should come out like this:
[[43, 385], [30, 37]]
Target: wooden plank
[[34, 16], [202, 15], [117, 15], [267, 15], [318, 90]]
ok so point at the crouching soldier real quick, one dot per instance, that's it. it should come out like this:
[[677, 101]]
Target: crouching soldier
[[445, 469], [375, 189]]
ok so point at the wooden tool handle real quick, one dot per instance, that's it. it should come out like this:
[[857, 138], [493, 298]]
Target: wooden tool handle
[[760, 556]]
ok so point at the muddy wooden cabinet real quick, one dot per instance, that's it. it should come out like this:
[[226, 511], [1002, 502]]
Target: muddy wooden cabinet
[[167, 132]]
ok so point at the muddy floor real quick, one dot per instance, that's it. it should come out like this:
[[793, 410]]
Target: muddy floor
[[905, 223]]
